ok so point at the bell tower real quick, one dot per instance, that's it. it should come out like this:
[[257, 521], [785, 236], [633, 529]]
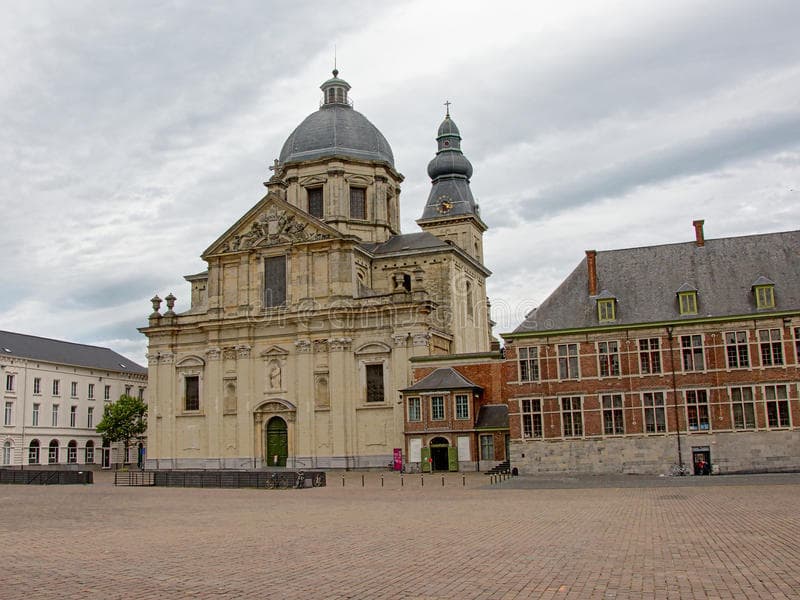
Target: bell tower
[[451, 213]]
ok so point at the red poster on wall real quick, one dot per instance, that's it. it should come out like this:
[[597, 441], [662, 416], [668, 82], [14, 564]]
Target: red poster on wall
[[398, 459]]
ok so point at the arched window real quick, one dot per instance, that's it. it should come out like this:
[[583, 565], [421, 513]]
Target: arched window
[[89, 458], [33, 453], [52, 455], [72, 451], [470, 308], [7, 447]]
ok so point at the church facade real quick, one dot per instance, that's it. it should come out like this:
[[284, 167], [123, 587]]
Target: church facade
[[301, 331]]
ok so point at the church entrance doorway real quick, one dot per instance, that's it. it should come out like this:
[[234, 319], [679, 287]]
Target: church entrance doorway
[[442, 455], [277, 442]]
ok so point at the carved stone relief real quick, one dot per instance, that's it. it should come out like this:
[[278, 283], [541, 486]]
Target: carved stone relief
[[272, 227]]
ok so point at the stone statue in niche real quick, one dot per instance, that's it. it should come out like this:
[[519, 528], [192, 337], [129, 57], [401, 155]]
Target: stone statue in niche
[[274, 375], [229, 402]]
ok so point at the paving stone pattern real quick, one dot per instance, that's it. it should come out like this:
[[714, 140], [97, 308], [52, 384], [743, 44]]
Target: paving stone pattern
[[594, 538]]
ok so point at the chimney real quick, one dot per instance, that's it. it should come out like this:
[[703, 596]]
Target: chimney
[[591, 267], [698, 232]]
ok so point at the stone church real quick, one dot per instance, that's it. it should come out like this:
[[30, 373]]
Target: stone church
[[301, 330]]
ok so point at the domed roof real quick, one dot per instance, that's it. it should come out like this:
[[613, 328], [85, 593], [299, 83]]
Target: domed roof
[[336, 130], [449, 163]]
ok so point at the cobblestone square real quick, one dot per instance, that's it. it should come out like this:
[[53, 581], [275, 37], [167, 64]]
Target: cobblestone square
[[723, 537]]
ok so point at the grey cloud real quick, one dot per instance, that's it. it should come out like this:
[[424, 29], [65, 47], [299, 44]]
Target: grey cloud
[[688, 157]]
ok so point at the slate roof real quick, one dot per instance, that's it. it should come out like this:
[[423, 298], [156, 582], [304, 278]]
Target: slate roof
[[442, 379], [406, 241], [492, 416], [336, 130], [644, 282], [66, 353]]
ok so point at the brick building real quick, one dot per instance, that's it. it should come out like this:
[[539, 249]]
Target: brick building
[[455, 418], [645, 358]]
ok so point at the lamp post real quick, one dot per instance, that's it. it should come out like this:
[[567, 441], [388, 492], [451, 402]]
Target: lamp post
[[675, 399]]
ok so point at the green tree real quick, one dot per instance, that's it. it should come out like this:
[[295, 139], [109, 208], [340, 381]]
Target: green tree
[[123, 420]]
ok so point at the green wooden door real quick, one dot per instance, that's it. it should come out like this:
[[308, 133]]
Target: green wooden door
[[425, 455], [277, 443], [452, 459]]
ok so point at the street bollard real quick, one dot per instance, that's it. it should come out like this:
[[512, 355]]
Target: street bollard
[[463, 481], [442, 480], [342, 479], [422, 481], [381, 480], [401, 481], [362, 481]]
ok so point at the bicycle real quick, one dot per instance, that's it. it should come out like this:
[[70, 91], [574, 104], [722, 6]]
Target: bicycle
[[678, 471]]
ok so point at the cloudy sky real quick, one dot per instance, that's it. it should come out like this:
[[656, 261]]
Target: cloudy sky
[[132, 134]]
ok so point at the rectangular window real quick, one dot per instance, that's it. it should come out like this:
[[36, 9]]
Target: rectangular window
[[73, 416], [73, 389], [37, 385], [9, 382], [90, 418], [414, 413], [797, 345], [697, 410], [688, 303], [487, 447], [90, 392], [605, 310], [650, 356], [358, 203], [35, 415], [274, 281], [655, 413], [613, 420], [128, 389], [529, 364], [437, 408], [72, 453], [315, 207], [140, 393], [375, 383], [568, 361], [56, 387], [743, 408], [608, 357], [54, 416], [571, 417], [737, 350], [89, 453], [777, 399], [192, 392], [107, 392], [532, 419], [8, 414], [52, 453], [462, 406], [765, 296], [771, 346], [692, 352]]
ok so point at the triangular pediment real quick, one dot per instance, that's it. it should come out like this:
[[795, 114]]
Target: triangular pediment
[[271, 222]]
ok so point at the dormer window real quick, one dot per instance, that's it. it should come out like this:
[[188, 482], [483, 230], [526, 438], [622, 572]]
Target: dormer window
[[606, 307], [687, 299], [764, 291], [688, 303]]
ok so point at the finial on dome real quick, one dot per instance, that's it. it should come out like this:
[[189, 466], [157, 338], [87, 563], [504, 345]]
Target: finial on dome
[[335, 67], [447, 103]]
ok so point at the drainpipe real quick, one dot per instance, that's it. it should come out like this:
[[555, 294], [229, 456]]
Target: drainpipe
[[675, 398]]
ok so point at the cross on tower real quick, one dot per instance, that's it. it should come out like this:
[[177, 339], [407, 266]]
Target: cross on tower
[[447, 103]]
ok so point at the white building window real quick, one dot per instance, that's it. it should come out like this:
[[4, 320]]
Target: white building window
[[37, 385], [9, 382], [73, 389], [90, 392], [90, 417], [414, 409], [54, 416], [7, 449], [437, 408], [655, 412], [571, 417], [568, 361], [73, 416], [462, 406], [35, 415], [8, 415]]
